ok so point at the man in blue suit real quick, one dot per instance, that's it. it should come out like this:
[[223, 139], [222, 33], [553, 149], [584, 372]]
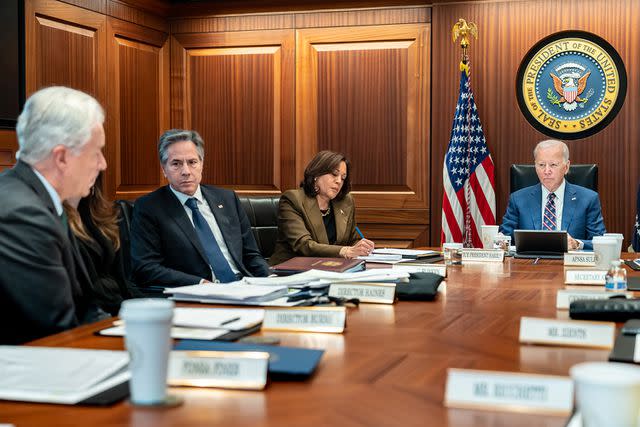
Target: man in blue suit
[[186, 232], [555, 204]]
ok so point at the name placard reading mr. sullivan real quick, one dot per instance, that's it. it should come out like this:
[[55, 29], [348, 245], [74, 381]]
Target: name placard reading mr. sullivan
[[308, 319], [482, 255], [491, 390], [584, 277], [381, 293], [586, 259], [575, 333], [242, 370]]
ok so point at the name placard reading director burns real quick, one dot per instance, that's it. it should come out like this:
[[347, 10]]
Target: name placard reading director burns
[[571, 85]]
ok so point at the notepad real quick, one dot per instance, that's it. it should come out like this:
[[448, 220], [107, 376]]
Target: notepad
[[59, 375], [229, 292]]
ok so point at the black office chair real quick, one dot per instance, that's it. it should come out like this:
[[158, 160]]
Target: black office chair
[[263, 216], [525, 175]]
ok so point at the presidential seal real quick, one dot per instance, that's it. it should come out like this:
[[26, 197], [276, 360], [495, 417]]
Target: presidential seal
[[571, 85]]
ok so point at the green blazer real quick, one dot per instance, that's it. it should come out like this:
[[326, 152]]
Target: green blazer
[[301, 231]]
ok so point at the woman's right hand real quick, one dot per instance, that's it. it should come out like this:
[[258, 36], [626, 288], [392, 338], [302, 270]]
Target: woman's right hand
[[364, 247]]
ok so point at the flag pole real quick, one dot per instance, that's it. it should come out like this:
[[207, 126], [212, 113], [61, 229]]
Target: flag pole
[[464, 30]]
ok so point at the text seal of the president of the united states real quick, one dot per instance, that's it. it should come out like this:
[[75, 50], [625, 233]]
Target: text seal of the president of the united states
[[571, 84]]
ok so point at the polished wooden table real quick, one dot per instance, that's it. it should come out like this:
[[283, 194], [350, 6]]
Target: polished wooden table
[[387, 369]]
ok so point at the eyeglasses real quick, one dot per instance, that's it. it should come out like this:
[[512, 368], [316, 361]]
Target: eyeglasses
[[552, 166], [177, 165]]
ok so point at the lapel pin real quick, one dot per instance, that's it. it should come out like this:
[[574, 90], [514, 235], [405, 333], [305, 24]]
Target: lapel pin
[[220, 206], [341, 211], [573, 198]]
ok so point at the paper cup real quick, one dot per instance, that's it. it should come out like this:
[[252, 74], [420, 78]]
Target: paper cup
[[489, 232], [605, 250], [148, 340], [619, 238], [607, 394]]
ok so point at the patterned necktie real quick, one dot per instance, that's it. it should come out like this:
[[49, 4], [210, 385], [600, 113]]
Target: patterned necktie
[[549, 220], [218, 263]]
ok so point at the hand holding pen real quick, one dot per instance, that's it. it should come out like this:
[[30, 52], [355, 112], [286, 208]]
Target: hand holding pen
[[363, 247]]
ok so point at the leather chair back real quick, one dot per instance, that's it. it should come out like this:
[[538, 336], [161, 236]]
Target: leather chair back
[[522, 176], [263, 216], [126, 214]]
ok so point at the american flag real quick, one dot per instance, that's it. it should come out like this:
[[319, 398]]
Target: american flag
[[635, 242], [469, 199]]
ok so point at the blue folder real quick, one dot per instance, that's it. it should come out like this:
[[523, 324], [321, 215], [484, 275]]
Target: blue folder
[[285, 363]]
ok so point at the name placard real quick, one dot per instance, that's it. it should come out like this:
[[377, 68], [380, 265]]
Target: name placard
[[381, 293], [507, 391], [482, 255], [584, 277], [439, 269], [576, 258], [566, 296], [242, 370], [307, 319], [636, 349], [574, 333]]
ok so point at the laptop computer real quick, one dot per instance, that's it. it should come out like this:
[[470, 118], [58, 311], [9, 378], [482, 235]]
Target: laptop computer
[[540, 244]]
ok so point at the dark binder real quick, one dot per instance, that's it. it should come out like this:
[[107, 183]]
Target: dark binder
[[285, 363], [301, 264]]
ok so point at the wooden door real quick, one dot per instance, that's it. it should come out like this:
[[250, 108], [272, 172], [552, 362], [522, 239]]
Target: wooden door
[[236, 89], [138, 107], [364, 91]]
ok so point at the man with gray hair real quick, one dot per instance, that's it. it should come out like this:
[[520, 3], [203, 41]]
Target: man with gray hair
[[554, 203], [44, 287], [187, 233]]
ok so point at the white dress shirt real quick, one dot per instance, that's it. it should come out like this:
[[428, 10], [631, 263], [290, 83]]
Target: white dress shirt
[[559, 206], [55, 197], [559, 203], [206, 212]]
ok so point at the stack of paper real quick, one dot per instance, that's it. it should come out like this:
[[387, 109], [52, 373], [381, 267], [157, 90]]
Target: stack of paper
[[407, 253], [236, 293], [204, 323], [59, 375]]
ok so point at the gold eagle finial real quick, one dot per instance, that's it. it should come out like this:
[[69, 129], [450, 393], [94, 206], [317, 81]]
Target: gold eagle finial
[[463, 29]]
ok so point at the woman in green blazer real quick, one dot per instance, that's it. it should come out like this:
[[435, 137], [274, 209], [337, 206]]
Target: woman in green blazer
[[318, 219]]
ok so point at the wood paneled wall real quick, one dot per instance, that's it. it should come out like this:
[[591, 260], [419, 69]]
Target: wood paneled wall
[[268, 91], [507, 30]]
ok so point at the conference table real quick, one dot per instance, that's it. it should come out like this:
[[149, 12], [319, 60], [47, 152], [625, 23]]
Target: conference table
[[388, 368]]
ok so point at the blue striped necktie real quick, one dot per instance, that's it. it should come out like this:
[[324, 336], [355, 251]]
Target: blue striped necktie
[[549, 220], [218, 262]]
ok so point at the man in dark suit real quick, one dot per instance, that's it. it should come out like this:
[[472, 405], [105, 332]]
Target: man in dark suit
[[186, 233], [555, 204], [44, 287]]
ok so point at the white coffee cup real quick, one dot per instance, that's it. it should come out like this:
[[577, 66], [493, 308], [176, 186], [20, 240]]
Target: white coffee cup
[[489, 232], [148, 340], [619, 238], [606, 250], [607, 394]]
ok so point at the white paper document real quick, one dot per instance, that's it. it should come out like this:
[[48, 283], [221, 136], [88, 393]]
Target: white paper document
[[406, 253], [177, 333], [59, 375], [230, 292]]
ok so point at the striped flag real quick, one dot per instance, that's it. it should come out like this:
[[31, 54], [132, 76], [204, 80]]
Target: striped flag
[[469, 199], [635, 241]]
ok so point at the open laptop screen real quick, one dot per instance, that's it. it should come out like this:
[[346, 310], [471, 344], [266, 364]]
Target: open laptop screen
[[540, 243]]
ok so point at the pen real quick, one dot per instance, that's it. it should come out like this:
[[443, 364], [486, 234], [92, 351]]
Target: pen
[[233, 319], [536, 261], [359, 232]]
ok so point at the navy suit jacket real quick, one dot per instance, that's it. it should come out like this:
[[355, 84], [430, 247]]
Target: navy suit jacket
[[581, 212], [165, 249]]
